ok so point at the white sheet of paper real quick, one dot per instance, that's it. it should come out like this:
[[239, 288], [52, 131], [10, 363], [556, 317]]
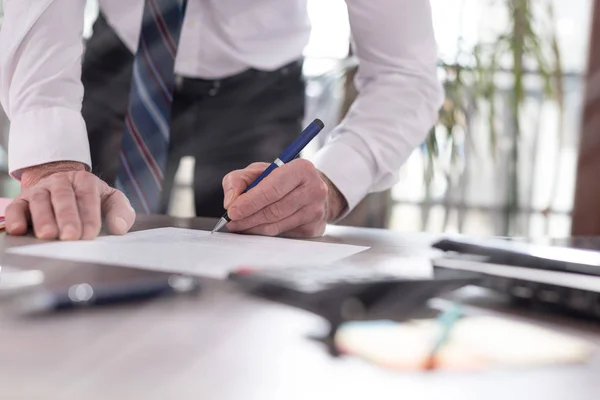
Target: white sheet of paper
[[192, 251]]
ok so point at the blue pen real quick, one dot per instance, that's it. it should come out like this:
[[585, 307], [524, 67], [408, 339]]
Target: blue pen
[[288, 155]]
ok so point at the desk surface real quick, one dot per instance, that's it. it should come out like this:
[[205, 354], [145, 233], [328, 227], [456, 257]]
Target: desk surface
[[221, 344]]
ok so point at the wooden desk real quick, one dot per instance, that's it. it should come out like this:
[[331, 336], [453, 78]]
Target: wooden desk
[[221, 344]]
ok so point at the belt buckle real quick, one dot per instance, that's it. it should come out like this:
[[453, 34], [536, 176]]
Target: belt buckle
[[178, 82], [216, 85]]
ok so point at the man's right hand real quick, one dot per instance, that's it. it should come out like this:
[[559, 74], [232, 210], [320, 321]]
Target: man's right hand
[[62, 200]]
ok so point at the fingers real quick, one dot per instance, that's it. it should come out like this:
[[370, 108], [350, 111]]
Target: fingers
[[273, 188], [17, 216], [66, 210], [87, 193], [119, 214], [236, 182], [312, 230], [69, 205], [291, 201], [287, 206], [42, 214], [306, 222]]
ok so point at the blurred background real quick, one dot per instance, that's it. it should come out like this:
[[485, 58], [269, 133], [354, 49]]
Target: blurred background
[[502, 158]]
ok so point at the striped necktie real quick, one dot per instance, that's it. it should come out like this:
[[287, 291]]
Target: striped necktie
[[145, 141]]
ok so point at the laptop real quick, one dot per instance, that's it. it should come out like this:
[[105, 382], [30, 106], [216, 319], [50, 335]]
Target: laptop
[[563, 277]]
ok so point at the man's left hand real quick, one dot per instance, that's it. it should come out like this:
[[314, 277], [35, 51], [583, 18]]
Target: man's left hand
[[295, 200]]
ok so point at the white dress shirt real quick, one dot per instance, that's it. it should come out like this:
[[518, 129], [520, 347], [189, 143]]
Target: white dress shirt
[[40, 68]]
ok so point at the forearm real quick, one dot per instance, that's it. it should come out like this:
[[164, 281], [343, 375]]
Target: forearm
[[41, 91], [399, 97]]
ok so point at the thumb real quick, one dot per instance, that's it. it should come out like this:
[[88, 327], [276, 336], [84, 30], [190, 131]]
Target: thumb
[[236, 182], [117, 211]]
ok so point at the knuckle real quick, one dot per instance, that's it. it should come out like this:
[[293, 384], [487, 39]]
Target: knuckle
[[66, 211], [234, 180], [315, 212], [58, 178], [273, 212], [117, 195], [39, 196], [113, 199], [102, 186], [87, 191], [304, 164], [319, 213], [46, 181], [253, 206], [267, 196], [86, 184], [276, 193], [62, 191], [102, 183], [232, 175], [82, 176], [123, 199], [321, 189]]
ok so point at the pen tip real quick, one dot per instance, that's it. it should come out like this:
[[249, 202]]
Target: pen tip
[[222, 222]]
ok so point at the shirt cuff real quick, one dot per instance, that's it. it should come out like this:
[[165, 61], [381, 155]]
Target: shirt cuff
[[47, 135], [347, 170]]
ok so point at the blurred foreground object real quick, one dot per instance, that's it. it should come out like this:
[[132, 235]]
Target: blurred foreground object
[[474, 343]]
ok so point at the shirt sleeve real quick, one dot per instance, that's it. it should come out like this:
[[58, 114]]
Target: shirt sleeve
[[399, 97], [41, 45]]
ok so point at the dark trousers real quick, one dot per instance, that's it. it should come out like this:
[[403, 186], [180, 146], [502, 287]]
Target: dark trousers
[[225, 124]]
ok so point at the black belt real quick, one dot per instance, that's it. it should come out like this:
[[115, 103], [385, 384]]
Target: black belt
[[213, 86]]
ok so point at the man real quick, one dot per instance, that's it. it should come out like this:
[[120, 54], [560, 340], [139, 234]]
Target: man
[[244, 108], [219, 40]]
